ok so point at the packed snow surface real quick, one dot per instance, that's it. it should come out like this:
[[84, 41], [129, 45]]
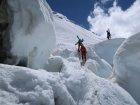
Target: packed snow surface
[[126, 66], [31, 31], [74, 86]]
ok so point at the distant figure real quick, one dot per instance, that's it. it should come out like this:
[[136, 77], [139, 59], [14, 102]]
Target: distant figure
[[83, 52], [79, 44], [108, 34]]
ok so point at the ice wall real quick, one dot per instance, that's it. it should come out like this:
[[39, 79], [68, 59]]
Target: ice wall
[[126, 65], [106, 49], [31, 31]]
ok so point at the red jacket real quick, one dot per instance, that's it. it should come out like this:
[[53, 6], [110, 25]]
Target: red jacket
[[83, 49]]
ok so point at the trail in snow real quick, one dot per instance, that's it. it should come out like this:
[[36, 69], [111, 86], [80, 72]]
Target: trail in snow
[[93, 88], [91, 96]]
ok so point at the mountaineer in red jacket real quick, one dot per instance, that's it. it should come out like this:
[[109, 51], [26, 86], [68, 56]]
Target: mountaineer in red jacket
[[83, 52]]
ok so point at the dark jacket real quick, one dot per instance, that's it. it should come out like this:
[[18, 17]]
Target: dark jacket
[[108, 33], [79, 42]]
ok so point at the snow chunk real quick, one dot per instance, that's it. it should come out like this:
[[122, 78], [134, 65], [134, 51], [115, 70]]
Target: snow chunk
[[126, 66], [54, 64], [31, 31]]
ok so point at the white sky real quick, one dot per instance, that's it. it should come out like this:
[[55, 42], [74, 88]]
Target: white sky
[[121, 23]]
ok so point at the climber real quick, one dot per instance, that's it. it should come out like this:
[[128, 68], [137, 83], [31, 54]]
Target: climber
[[79, 43], [83, 52], [108, 34]]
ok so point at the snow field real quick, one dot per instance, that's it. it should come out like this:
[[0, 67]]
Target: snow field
[[67, 31], [74, 85], [32, 35]]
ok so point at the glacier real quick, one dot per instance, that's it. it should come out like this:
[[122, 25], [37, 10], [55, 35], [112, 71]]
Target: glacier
[[53, 74]]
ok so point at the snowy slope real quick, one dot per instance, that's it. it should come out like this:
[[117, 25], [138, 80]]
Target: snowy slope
[[66, 32]]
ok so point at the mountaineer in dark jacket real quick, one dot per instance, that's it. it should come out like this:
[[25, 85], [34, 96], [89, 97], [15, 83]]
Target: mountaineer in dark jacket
[[108, 34], [79, 44]]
